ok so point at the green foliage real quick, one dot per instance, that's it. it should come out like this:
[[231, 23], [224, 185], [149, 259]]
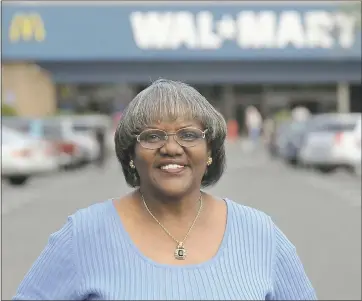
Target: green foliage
[[7, 110], [281, 116]]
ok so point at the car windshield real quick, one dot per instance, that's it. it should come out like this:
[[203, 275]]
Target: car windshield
[[19, 125], [336, 126], [81, 128], [52, 131]]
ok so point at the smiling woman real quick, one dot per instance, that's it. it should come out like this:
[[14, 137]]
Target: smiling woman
[[168, 239], [170, 102]]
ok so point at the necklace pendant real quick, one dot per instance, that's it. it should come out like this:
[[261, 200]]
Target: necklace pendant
[[180, 252]]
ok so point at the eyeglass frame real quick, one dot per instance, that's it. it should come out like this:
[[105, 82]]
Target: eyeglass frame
[[170, 134]]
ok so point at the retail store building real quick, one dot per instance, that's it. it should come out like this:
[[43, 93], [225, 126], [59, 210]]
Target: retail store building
[[270, 54]]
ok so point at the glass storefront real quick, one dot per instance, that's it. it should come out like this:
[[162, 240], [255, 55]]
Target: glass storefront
[[268, 99]]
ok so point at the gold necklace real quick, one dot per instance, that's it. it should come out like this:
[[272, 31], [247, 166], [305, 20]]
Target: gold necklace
[[180, 251]]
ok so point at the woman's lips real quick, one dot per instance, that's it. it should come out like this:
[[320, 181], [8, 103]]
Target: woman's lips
[[172, 168]]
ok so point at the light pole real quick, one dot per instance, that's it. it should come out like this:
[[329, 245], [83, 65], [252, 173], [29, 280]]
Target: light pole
[[352, 9]]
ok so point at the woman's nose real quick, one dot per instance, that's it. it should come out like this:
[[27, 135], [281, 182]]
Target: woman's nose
[[171, 146]]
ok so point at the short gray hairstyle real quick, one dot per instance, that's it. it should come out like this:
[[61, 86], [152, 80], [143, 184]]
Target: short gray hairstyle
[[168, 100]]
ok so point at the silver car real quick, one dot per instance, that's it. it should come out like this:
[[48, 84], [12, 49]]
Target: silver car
[[334, 141], [24, 157]]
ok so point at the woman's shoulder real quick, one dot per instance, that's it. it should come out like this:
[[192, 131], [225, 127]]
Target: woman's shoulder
[[244, 211], [94, 218], [251, 218], [96, 209]]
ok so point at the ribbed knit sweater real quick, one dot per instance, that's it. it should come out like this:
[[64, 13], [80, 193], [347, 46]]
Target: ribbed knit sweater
[[93, 258]]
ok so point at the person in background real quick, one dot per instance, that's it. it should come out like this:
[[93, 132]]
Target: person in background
[[101, 140], [300, 113], [268, 129], [168, 239], [254, 124]]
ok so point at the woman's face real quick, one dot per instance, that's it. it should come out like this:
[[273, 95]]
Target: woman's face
[[172, 169]]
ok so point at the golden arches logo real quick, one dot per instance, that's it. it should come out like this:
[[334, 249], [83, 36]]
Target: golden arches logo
[[27, 27]]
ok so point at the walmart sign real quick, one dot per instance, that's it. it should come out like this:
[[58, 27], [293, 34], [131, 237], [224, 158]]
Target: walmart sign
[[161, 32], [248, 29]]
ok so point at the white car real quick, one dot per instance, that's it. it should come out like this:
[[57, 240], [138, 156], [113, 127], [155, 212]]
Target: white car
[[23, 157], [333, 141], [86, 138], [88, 124], [74, 147]]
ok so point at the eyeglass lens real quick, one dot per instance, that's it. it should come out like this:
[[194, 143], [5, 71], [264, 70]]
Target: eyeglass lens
[[187, 137]]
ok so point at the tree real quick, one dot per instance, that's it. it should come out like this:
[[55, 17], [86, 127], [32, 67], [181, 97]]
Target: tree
[[7, 110]]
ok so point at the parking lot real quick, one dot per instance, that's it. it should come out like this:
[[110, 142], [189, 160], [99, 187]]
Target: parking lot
[[321, 214]]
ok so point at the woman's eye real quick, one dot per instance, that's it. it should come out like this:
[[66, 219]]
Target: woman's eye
[[188, 135], [153, 137]]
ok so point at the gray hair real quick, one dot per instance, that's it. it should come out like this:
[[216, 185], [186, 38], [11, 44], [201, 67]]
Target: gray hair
[[168, 100]]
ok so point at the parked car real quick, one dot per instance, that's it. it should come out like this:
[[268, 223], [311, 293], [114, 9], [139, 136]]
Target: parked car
[[70, 145], [292, 140], [24, 156], [90, 123], [333, 141], [277, 139]]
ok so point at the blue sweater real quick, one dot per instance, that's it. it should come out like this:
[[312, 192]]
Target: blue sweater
[[92, 258]]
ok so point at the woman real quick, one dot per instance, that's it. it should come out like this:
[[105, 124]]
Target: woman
[[168, 239]]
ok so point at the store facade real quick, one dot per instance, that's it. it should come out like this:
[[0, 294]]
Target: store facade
[[266, 54]]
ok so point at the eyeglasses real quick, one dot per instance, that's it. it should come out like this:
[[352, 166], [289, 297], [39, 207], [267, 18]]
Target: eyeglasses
[[186, 137]]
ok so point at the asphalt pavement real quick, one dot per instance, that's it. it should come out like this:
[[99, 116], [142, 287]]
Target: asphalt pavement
[[320, 214]]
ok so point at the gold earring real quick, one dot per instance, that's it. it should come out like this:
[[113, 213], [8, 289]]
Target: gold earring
[[209, 161], [131, 164]]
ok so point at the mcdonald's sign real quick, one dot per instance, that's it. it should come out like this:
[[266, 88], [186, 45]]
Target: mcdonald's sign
[[27, 27]]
